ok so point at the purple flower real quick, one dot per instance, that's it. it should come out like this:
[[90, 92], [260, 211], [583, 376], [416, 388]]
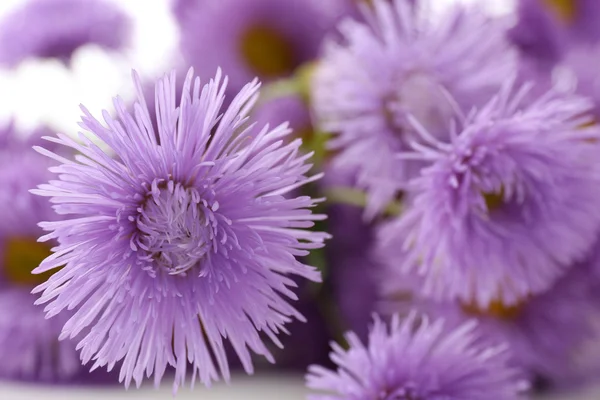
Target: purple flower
[[545, 333], [29, 346], [547, 28], [57, 28], [403, 62], [268, 39], [507, 207], [183, 239], [422, 361]]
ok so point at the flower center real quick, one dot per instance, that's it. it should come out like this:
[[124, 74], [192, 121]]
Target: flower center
[[564, 9], [496, 309], [268, 53], [422, 97], [21, 256], [494, 200], [174, 228]]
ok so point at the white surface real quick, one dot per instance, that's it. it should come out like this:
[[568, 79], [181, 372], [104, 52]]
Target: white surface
[[241, 387], [283, 387]]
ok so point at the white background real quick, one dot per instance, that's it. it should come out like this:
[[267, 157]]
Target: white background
[[47, 92]]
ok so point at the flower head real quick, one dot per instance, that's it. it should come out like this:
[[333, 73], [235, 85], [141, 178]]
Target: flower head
[[422, 361], [507, 207], [403, 62], [183, 239], [545, 333], [547, 28], [267, 39], [29, 346], [56, 28]]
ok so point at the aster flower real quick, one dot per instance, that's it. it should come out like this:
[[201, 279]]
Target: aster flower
[[268, 39], [29, 346], [416, 361], [402, 62], [546, 333], [547, 28], [57, 28], [505, 208], [184, 239]]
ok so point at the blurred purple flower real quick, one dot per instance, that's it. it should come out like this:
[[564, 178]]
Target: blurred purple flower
[[403, 62], [422, 361], [57, 28], [184, 239], [267, 39], [507, 207], [546, 29], [545, 332], [29, 346]]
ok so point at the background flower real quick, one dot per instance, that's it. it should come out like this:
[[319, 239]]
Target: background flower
[[29, 346], [57, 28], [403, 62], [425, 362], [267, 39], [507, 207]]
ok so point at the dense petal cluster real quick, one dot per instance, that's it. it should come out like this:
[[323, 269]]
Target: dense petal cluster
[[424, 361], [403, 62], [182, 240], [29, 346], [505, 208], [56, 28]]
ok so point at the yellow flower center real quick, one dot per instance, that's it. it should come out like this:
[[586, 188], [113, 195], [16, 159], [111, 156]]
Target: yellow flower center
[[563, 9], [496, 309], [267, 52], [493, 201], [21, 256]]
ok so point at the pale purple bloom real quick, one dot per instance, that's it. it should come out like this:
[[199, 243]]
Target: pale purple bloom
[[183, 239], [267, 39], [546, 333], [546, 29], [57, 28], [506, 207], [417, 360], [29, 346], [403, 62]]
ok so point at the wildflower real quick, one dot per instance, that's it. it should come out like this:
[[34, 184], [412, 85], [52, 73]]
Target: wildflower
[[507, 207], [403, 62], [416, 361], [183, 239], [29, 346], [267, 39], [546, 29], [57, 28]]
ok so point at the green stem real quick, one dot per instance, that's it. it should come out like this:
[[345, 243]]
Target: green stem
[[355, 197], [296, 85]]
